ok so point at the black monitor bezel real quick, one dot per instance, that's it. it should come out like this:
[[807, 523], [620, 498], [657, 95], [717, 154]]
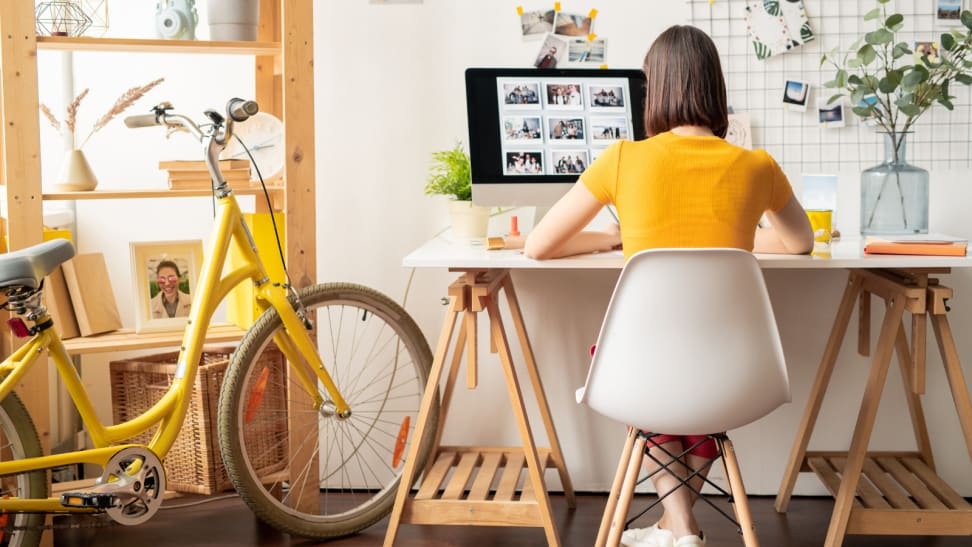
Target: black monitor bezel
[[483, 117]]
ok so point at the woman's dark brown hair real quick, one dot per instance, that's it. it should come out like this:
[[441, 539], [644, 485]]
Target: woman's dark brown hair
[[685, 83]]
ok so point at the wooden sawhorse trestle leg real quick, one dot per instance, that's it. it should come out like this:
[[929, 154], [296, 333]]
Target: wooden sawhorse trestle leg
[[477, 485], [901, 493]]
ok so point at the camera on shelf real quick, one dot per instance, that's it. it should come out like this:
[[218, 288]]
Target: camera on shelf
[[176, 19]]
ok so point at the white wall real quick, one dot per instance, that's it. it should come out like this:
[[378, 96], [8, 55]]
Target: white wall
[[389, 91]]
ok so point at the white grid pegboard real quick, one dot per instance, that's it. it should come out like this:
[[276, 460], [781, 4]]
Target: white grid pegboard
[[941, 139]]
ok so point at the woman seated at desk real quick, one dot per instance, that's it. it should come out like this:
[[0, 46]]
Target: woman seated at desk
[[684, 186]]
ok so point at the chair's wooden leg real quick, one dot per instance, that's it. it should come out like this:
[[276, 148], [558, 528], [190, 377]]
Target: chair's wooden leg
[[627, 491], [612, 501], [740, 501], [827, 362], [431, 392], [865, 423]]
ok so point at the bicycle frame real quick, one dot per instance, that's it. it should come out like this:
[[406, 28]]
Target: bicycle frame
[[169, 412]]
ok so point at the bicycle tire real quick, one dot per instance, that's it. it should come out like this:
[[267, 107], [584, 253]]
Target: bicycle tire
[[19, 440], [358, 483]]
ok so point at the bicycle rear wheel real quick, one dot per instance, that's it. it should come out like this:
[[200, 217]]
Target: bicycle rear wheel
[[18, 440], [327, 477]]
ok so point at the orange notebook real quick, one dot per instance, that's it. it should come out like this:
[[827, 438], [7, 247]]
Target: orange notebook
[[919, 244]]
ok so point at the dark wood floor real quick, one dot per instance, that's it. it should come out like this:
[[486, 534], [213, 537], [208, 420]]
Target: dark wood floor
[[229, 522]]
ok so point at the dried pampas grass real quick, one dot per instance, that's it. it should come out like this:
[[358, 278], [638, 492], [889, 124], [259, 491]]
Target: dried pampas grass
[[70, 121]]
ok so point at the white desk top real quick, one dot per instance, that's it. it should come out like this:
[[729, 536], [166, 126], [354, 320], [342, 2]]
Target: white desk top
[[443, 252]]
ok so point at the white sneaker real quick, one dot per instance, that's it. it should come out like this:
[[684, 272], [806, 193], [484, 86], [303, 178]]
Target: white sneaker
[[691, 541], [653, 536]]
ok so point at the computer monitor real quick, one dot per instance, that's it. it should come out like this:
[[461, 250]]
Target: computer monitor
[[532, 131]]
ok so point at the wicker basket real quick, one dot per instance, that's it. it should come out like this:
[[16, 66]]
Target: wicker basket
[[193, 464]]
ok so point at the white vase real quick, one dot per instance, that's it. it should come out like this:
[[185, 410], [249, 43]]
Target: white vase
[[468, 221], [76, 174], [233, 20]]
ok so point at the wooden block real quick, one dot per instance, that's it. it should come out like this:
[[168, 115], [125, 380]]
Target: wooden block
[[91, 295], [58, 302]]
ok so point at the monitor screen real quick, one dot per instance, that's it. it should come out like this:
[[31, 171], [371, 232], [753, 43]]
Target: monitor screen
[[533, 131]]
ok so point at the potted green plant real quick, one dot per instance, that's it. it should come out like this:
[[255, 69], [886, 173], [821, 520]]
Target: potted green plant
[[450, 174], [890, 85]]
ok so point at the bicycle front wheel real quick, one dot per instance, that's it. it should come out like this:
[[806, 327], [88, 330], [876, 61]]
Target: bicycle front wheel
[[18, 440], [304, 470]]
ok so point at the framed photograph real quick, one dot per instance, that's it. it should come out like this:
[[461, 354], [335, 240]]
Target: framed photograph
[[830, 114], [606, 98], [565, 96], [518, 95], [522, 129], [795, 95], [572, 24], [524, 162], [606, 129], [165, 273], [535, 24], [567, 129], [948, 13], [582, 52], [928, 50], [552, 53], [568, 162]]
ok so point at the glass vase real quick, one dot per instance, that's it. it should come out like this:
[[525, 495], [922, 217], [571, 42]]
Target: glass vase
[[894, 194]]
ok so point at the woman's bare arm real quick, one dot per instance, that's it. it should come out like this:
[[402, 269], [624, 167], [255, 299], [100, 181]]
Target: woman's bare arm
[[790, 232], [560, 233]]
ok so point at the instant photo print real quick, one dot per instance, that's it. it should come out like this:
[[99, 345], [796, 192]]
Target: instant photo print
[[795, 95], [830, 114]]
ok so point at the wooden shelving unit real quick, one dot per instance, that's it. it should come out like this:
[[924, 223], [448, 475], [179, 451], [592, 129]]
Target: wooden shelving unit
[[128, 339], [282, 53], [276, 194]]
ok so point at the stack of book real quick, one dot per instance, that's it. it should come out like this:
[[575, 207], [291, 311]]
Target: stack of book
[[918, 244], [194, 175]]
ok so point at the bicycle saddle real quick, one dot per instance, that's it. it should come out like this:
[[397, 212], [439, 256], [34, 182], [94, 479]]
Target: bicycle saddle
[[28, 267]]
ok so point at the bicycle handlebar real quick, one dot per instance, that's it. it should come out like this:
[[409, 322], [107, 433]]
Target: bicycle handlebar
[[142, 120]]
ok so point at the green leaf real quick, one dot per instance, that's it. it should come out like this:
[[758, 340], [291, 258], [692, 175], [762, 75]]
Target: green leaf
[[879, 36], [823, 59], [948, 41], [883, 1], [831, 83], [946, 103], [854, 63], [866, 54], [915, 76], [966, 18], [910, 110], [894, 22], [834, 98], [964, 78], [888, 84], [854, 79], [857, 96], [863, 111], [841, 78], [873, 14]]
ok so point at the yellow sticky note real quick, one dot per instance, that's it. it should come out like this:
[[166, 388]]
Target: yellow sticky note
[[519, 11], [556, 6], [592, 14], [591, 37]]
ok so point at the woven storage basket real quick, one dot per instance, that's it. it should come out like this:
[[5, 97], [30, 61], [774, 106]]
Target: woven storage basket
[[193, 464]]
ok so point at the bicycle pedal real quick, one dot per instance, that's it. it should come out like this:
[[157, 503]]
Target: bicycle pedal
[[88, 500]]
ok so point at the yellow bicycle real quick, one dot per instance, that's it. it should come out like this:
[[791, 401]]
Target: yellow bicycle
[[344, 365]]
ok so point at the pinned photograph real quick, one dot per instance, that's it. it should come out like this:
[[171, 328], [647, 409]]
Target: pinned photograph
[[552, 53], [830, 114], [521, 94], [795, 95], [165, 274], [606, 97], [523, 129], [535, 24], [867, 101], [928, 50], [524, 163], [566, 162], [565, 129], [583, 52], [572, 24], [564, 96], [605, 129], [948, 13]]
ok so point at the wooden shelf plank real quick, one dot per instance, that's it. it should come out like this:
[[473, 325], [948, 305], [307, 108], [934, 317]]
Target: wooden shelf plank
[[137, 45], [128, 339], [152, 193]]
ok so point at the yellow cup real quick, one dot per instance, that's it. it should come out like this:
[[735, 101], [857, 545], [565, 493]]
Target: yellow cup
[[821, 221]]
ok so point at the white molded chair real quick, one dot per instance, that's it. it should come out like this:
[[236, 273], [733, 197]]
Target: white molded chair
[[689, 346]]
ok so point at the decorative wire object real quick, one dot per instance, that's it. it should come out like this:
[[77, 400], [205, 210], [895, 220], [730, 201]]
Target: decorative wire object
[[62, 18], [942, 139], [97, 10]]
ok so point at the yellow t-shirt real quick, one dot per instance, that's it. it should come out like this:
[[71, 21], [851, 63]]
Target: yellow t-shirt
[[686, 191]]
